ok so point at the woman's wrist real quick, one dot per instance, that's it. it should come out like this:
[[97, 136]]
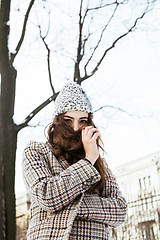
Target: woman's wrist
[[92, 159]]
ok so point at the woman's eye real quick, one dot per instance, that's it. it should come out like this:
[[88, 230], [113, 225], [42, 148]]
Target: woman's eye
[[67, 120], [84, 121]]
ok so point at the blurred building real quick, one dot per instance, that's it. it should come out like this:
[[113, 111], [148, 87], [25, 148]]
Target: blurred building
[[22, 215], [140, 183]]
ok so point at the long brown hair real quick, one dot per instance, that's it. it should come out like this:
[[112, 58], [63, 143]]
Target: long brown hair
[[68, 143]]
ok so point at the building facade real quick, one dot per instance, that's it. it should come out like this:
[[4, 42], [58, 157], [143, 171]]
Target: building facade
[[22, 216], [140, 183]]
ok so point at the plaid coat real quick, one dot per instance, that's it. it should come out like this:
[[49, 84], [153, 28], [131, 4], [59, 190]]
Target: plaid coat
[[62, 208]]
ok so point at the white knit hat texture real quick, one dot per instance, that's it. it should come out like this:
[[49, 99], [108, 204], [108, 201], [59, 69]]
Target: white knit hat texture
[[72, 98]]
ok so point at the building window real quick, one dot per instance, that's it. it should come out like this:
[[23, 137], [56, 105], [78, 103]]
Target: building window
[[147, 230], [144, 182], [140, 184], [149, 180]]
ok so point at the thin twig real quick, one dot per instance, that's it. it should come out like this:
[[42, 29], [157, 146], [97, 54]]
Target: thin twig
[[102, 6], [48, 53], [23, 30], [101, 36], [37, 125], [113, 45], [117, 108]]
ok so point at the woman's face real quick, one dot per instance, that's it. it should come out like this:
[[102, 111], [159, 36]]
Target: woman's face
[[76, 119]]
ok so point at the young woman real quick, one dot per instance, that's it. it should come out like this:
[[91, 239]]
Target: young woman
[[74, 194]]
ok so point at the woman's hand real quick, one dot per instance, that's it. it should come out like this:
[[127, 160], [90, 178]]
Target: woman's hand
[[89, 140]]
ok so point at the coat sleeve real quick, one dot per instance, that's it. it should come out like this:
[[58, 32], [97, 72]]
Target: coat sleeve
[[52, 193], [110, 207]]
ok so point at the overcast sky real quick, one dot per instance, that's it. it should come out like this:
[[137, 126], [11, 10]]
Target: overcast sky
[[129, 79]]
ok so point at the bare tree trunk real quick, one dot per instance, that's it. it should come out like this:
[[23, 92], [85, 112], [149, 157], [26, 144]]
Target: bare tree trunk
[[8, 143], [8, 132], [7, 191]]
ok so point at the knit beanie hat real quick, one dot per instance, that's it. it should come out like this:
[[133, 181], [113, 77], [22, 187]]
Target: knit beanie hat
[[72, 98]]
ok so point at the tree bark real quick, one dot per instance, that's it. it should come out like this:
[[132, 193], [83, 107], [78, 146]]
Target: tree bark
[[7, 191], [8, 141], [8, 131]]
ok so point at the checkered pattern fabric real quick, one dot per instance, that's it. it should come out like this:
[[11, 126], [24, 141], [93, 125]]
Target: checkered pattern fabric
[[62, 207]]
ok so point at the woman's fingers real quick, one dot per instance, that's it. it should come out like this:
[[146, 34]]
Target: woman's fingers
[[86, 129], [89, 137], [95, 136], [89, 132], [85, 132]]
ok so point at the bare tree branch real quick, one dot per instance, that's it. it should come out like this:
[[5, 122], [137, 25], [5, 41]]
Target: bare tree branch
[[35, 111], [113, 45], [23, 30], [105, 5], [48, 60], [48, 50], [136, 116], [101, 36], [82, 43], [116, 108], [79, 48], [85, 15], [37, 125]]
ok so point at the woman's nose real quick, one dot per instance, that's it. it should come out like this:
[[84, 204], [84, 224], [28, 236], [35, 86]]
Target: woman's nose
[[75, 126]]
